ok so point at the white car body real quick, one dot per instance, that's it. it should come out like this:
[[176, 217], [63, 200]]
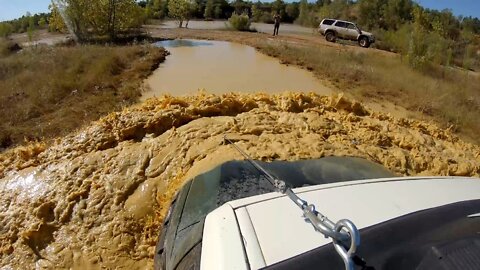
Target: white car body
[[345, 30], [262, 230]]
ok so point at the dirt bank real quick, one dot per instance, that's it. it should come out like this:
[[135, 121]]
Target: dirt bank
[[95, 198]]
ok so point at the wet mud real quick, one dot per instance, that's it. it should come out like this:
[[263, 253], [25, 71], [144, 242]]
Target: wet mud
[[96, 198]]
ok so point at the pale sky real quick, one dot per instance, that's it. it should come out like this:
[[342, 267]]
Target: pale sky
[[11, 9]]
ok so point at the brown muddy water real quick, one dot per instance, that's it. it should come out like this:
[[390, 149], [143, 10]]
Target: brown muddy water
[[220, 67], [96, 199]]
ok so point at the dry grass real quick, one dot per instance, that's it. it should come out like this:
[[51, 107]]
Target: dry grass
[[449, 96], [48, 91]]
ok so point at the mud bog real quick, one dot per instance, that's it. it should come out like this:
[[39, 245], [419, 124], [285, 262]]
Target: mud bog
[[95, 199], [223, 67]]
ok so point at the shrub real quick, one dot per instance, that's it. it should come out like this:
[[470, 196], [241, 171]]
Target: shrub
[[240, 22], [7, 47]]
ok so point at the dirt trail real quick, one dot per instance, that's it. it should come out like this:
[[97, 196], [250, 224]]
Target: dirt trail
[[254, 39], [95, 199]]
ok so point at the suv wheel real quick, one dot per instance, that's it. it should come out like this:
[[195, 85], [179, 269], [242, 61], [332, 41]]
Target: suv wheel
[[364, 42], [330, 36]]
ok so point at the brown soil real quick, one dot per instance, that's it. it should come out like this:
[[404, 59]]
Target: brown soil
[[95, 199]]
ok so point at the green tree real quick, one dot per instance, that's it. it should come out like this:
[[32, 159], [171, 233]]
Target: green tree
[[31, 28], [256, 12], [181, 10], [303, 13], [155, 9], [6, 29], [218, 12], [101, 17], [208, 14], [292, 11], [370, 13], [240, 22], [56, 22], [42, 22], [240, 6], [396, 13], [417, 51], [471, 24], [278, 6]]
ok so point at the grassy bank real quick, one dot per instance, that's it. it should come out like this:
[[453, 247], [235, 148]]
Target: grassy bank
[[449, 96], [48, 91]]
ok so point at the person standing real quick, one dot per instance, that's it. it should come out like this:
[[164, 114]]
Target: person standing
[[276, 20]]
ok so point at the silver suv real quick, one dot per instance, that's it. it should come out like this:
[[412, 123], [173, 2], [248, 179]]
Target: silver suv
[[333, 29]]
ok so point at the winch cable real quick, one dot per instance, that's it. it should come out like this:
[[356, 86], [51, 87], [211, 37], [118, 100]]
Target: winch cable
[[344, 234]]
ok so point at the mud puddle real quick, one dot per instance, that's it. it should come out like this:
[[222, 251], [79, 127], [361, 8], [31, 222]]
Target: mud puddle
[[95, 199], [222, 67]]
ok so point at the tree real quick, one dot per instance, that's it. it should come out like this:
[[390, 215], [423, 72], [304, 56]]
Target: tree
[[256, 12], [396, 13], [471, 24], [155, 9], [31, 27], [5, 29], [208, 14], [181, 10], [370, 13], [42, 22], [94, 18], [305, 15], [240, 6], [56, 23], [218, 12], [278, 6], [292, 11]]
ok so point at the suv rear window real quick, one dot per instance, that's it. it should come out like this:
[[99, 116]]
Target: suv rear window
[[341, 24], [328, 22]]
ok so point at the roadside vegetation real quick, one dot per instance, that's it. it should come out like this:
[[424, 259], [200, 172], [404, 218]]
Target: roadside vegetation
[[421, 35], [449, 96], [49, 91], [240, 22], [25, 24]]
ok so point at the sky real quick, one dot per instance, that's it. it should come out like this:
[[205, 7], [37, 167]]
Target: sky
[[458, 7], [11, 9]]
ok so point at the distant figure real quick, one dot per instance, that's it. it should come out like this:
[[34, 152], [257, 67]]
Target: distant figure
[[276, 19]]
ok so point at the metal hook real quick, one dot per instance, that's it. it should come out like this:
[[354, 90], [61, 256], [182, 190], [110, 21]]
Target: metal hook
[[347, 255]]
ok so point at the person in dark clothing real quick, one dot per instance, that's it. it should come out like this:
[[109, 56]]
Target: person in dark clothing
[[276, 19]]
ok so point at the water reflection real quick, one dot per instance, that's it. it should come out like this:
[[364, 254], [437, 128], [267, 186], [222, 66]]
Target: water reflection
[[221, 67], [182, 43]]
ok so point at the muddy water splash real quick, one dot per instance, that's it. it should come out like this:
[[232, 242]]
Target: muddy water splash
[[223, 67], [96, 198]]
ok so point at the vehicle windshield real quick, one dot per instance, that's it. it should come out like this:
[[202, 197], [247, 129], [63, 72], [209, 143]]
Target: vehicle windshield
[[238, 179]]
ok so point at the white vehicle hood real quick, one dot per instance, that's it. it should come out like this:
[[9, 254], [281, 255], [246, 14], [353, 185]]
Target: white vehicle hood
[[272, 227]]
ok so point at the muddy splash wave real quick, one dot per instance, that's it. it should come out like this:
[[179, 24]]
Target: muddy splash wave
[[96, 198]]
